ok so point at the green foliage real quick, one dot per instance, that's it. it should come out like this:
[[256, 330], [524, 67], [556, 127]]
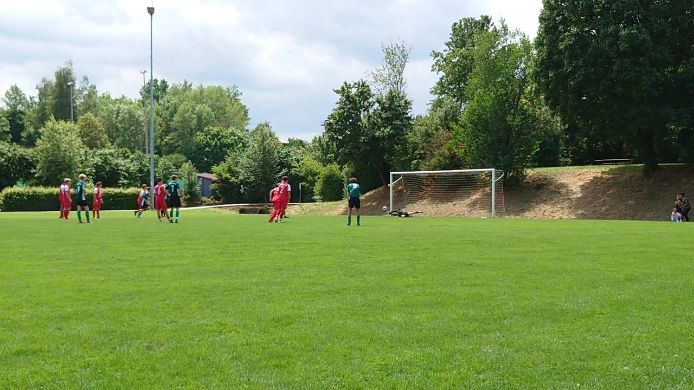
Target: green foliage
[[92, 132], [616, 71], [5, 130], [118, 167], [124, 122], [429, 142], [169, 165], [259, 164], [191, 188], [309, 171], [186, 111], [368, 131], [228, 186], [59, 152], [212, 144], [503, 117], [16, 163], [454, 64], [46, 198], [331, 183], [17, 111]]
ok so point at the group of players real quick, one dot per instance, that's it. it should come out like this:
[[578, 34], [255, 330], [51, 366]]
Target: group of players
[[166, 196]]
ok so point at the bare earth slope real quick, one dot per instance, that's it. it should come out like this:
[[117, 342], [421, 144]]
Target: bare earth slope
[[620, 192]]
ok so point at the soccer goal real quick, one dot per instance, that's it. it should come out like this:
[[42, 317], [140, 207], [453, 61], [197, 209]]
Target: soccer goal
[[466, 192]]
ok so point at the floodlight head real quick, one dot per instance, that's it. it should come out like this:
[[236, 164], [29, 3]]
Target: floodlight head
[[150, 10], [69, 83]]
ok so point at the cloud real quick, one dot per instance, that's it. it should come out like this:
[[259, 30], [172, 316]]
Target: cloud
[[286, 57]]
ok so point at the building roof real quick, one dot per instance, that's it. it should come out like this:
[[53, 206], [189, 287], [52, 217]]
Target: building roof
[[208, 176]]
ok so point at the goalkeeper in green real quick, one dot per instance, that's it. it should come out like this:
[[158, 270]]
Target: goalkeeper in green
[[354, 202]]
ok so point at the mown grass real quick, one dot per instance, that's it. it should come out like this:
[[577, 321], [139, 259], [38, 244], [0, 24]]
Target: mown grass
[[228, 301]]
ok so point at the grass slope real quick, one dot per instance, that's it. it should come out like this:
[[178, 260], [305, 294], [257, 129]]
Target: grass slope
[[225, 300]]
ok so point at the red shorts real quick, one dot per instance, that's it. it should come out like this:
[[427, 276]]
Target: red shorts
[[160, 204], [66, 203], [96, 204], [284, 203]]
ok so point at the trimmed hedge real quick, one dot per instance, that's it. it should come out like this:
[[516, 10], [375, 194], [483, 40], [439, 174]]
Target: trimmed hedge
[[46, 199]]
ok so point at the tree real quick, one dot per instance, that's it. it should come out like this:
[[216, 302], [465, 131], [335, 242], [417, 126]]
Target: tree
[[429, 142], [454, 64], [191, 185], [368, 131], [17, 109], [92, 132], [5, 130], [621, 70], [259, 164], [59, 152], [390, 77], [16, 164], [331, 183]]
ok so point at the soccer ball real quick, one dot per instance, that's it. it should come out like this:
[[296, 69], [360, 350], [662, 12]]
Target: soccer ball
[[385, 208]]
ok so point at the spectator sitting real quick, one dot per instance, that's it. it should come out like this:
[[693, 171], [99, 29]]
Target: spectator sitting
[[675, 216]]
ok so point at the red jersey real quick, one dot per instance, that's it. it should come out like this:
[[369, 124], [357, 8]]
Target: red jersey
[[160, 193], [283, 191], [97, 194]]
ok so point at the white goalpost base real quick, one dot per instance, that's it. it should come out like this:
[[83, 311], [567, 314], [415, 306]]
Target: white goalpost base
[[464, 192]]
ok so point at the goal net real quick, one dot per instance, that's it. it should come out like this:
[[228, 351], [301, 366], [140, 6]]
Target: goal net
[[468, 192]]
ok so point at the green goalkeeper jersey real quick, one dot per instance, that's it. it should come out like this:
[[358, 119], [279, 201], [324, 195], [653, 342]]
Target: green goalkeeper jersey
[[81, 190], [353, 190]]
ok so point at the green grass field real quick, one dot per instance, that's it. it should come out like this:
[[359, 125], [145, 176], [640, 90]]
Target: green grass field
[[228, 301]]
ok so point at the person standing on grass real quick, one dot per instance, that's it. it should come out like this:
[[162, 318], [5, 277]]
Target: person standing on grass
[[160, 200], [175, 194], [354, 201], [142, 201], [276, 206], [285, 192], [81, 192], [64, 198], [683, 205], [97, 201]]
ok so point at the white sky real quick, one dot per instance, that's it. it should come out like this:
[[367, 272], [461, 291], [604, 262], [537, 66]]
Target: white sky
[[285, 56]]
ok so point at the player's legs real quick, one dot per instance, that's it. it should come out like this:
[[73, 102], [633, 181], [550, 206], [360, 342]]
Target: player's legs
[[357, 206]]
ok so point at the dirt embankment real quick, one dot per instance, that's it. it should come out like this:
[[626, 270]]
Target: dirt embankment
[[611, 192]]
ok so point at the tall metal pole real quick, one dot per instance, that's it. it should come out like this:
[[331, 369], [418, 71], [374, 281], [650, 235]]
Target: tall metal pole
[[72, 115], [150, 11], [144, 111]]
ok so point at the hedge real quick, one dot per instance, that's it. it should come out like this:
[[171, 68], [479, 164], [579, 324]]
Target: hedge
[[46, 199]]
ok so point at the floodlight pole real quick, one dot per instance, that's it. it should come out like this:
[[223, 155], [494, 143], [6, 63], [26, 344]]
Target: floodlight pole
[[144, 110], [150, 11], [72, 115]]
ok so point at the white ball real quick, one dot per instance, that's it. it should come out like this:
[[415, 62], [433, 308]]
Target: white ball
[[385, 208]]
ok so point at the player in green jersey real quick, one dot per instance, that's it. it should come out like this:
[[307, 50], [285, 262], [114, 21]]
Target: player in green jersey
[[81, 193], [354, 202], [175, 194]]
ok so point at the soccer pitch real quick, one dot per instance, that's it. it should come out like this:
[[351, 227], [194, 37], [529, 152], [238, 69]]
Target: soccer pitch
[[225, 300]]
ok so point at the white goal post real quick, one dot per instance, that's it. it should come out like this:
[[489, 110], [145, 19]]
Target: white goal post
[[464, 192]]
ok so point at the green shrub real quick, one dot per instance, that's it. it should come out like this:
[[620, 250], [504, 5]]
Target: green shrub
[[331, 184], [46, 199]]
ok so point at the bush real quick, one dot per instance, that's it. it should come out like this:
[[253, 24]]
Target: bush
[[46, 199], [331, 184], [16, 163]]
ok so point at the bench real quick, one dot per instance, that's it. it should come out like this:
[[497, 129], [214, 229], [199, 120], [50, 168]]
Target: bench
[[615, 161]]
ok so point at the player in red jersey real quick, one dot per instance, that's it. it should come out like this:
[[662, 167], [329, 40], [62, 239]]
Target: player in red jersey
[[160, 200], [276, 206], [97, 201], [64, 198], [285, 192]]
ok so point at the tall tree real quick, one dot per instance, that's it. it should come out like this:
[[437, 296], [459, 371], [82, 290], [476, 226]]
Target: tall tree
[[390, 76], [259, 165], [17, 110], [92, 132], [622, 69], [212, 144], [59, 152]]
